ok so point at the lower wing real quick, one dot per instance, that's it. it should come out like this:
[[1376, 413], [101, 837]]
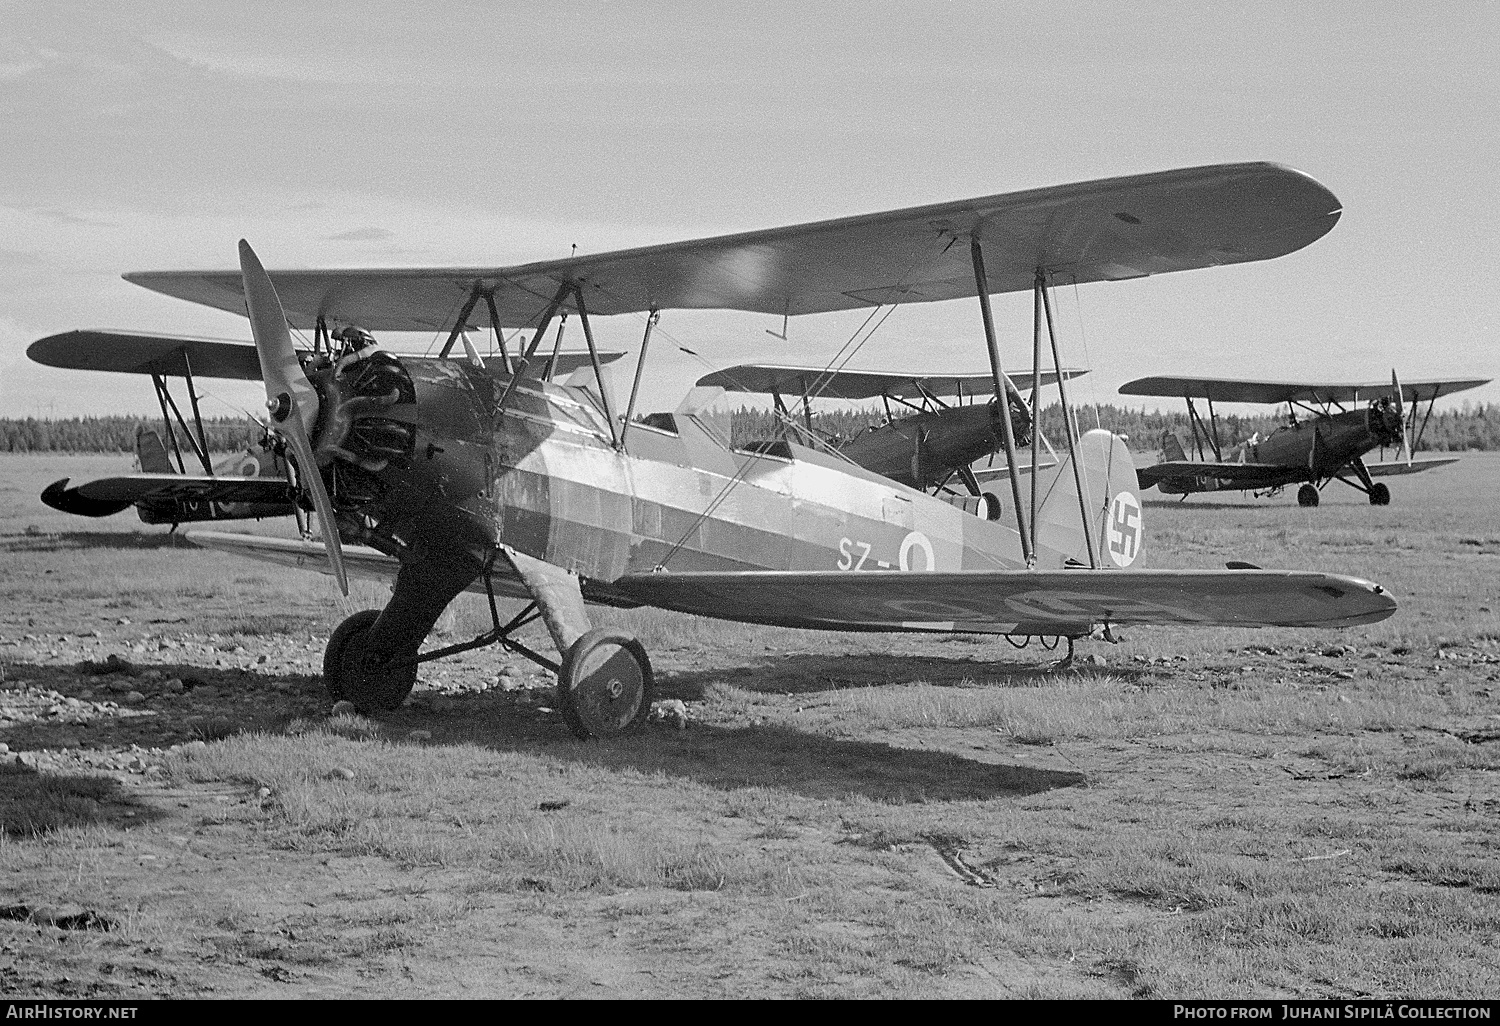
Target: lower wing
[[1020, 602], [1395, 467], [172, 498]]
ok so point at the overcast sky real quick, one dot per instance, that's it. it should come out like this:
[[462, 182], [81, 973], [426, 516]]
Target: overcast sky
[[153, 135]]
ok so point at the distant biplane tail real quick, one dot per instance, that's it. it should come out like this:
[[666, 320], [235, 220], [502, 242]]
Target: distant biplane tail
[[1109, 495], [1171, 448], [151, 453]]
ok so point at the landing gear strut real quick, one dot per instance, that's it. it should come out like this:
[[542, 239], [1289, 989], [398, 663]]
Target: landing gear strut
[[1307, 495], [605, 686]]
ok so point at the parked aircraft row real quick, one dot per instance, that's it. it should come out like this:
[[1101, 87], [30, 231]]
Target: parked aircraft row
[[523, 475]]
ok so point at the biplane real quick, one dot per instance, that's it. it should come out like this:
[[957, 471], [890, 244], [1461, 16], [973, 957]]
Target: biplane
[[937, 428], [252, 484], [440, 476], [1329, 444]]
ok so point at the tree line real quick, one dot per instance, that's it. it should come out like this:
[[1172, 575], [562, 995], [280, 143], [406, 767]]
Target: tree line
[[115, 434], [1469, 427]]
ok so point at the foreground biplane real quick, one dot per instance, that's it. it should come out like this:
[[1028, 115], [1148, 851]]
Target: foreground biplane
[[444, 476], [925, 441], [1330, 445]]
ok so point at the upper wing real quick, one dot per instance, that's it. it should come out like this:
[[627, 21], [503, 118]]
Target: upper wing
[[133, 353], [818, 383], [193, 496], [1193, 468], [1228, 390], [1395, 467], [1054, 602], [1103, 230], [175, 356]]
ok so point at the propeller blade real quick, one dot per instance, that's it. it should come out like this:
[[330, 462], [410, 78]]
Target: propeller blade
[[1401, 412], [291, 398]]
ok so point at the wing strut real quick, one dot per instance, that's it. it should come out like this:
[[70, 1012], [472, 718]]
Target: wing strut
[[187, 367], [1068, 429], [461, 321], [588, 338], [525, 358], [199, 442], [982, 283], [1036, 400], [640, 365]]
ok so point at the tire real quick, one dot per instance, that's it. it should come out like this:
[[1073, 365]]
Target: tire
[[1307, 495], [346, 678], [1380, 495], [606, 687]]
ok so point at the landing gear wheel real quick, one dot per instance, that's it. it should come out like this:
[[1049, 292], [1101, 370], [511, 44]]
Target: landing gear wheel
[[605, 687], [1307, 495], [346, 677], [1380, 495]]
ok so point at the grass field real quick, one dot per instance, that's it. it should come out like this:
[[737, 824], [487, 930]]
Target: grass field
[[1213, 813]]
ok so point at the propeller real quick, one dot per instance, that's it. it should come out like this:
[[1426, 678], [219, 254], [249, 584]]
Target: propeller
[[290, 396], [1400, 412]]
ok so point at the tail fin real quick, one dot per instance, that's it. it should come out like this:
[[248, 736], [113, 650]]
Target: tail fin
[[1171, 448], [1114, 510], [151, 452]]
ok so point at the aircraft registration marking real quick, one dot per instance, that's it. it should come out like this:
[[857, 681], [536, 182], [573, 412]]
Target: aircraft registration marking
[[854, 554], [846, 555]]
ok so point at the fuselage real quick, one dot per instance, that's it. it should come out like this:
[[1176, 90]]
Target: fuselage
[[925, 448], [543, 476]]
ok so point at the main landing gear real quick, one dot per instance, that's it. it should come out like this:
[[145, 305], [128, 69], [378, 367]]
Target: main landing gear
[[605, 685], [1380, 495], [1307, 495]]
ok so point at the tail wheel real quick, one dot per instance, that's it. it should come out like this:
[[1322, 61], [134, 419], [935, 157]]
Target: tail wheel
[[348, 676], [1307, 495], [1380, 495], [606, 687]]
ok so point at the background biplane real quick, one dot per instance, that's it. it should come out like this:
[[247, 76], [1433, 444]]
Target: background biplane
[[248, 485], [1329, 445], [445, 476], [925, 440]]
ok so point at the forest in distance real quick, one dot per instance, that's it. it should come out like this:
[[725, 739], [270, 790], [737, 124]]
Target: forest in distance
[[1469, 427]]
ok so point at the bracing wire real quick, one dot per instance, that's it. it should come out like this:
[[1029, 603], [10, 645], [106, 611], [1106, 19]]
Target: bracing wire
[[1087, 361]]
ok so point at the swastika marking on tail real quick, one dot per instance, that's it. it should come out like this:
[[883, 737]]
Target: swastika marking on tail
[[1124, 529]]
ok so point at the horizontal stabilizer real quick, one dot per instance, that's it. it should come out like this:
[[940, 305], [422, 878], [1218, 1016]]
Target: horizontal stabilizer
[[1051, 602]]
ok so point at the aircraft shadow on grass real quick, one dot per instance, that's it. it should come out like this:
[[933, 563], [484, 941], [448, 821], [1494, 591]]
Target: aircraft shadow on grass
[[785, 758], [806, 761], [33, 804], [810, 674]]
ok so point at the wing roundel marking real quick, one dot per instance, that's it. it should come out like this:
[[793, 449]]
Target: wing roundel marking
[[917, 541]]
